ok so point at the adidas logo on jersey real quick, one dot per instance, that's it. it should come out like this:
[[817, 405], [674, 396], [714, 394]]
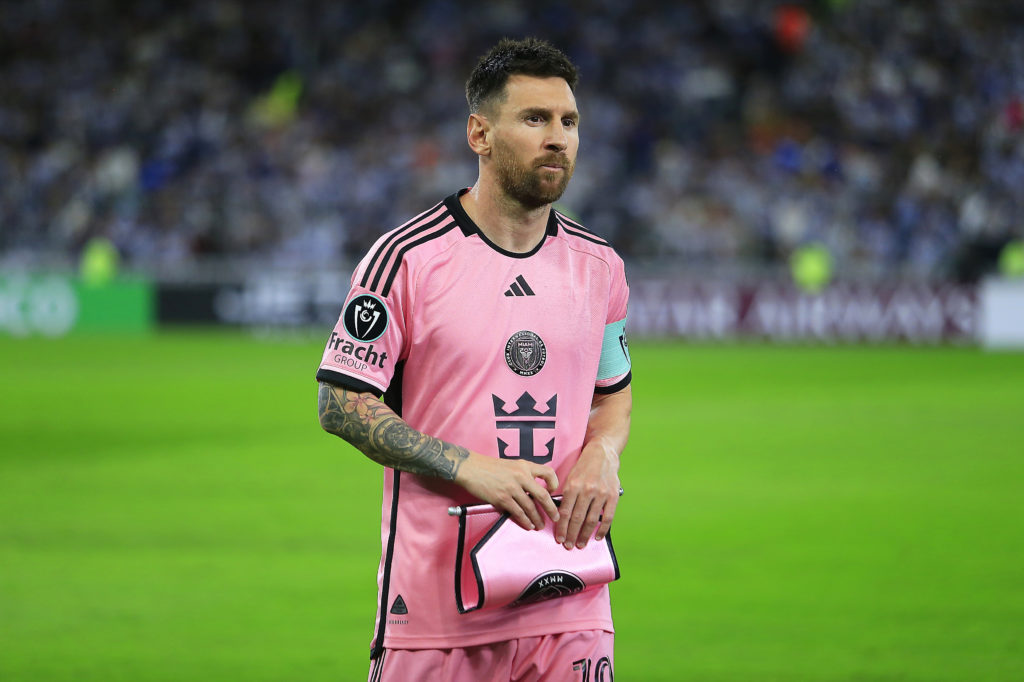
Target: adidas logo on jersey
[[519, 288], [398, 606]]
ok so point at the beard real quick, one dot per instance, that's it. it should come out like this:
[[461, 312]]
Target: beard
[[530, 184]]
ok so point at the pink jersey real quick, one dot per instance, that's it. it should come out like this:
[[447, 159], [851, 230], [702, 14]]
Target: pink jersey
[[498, 352]]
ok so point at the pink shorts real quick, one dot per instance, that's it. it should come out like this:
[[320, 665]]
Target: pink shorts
[[572, 656]]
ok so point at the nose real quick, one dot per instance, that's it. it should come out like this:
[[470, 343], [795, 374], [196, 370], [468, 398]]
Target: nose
[[557, 140]]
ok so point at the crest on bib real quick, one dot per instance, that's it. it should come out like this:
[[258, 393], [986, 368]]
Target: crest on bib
[[550, 586]]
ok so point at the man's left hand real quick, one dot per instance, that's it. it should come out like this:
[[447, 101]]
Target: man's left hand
[[589, 497]]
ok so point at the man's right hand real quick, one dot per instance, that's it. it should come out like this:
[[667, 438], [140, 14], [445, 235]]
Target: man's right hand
[[512, 486]]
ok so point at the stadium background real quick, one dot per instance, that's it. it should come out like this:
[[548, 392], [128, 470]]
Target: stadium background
[[820, 204]]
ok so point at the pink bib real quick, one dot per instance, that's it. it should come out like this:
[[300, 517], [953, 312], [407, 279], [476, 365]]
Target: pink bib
[[506, 565]]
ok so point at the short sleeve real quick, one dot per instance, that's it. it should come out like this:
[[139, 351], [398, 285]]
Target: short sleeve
[[614, 371], [368, 339]]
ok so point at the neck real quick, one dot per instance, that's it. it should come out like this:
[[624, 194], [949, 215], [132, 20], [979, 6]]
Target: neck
[[504, 221]]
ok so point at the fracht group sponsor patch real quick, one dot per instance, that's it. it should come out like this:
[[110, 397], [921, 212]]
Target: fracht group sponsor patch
[[355, 355]]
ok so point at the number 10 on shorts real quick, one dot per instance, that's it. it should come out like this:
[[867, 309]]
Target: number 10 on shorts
[[602, 671]]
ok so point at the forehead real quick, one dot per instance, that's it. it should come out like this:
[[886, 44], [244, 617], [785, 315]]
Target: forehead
[[529, 92]]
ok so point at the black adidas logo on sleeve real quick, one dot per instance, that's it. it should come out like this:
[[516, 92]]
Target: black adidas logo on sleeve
[[519, 288]]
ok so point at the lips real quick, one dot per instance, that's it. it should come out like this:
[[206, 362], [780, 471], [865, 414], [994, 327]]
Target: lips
[[554, 163]]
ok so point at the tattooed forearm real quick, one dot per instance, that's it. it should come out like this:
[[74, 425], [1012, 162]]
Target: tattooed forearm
[[372, 427]]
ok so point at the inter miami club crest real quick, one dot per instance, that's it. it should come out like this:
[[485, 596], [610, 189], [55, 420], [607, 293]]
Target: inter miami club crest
[[549, 586], [525, 353], [365, 318]]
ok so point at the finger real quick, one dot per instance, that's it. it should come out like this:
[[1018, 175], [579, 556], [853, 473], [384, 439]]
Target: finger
[[593, 518], [527, 505], [564, 515], [543, 498], [518, 516], [548, 475], [607, 517], [515, 511], [576, 519]]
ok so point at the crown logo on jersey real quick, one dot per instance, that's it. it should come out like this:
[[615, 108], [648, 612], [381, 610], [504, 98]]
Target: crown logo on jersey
[[526, 418], [526, 406], [519, 288]]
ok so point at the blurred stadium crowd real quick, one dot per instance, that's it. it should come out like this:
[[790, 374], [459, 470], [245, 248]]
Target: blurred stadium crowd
[[713, 133]]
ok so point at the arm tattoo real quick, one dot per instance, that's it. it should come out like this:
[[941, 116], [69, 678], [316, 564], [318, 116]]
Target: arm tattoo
[[372, 427]]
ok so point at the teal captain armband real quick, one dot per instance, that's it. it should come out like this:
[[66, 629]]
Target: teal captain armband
[[614, 351]]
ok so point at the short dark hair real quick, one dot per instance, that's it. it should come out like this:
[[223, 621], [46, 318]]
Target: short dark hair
[[527, 57]]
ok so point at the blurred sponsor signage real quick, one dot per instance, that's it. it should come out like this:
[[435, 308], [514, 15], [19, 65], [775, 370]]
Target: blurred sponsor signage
[[1002, 313], [854, 312], [270, 300], [42, 304], [675, 308]]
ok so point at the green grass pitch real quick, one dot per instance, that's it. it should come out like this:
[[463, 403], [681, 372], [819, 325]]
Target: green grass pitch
[[170, 510]]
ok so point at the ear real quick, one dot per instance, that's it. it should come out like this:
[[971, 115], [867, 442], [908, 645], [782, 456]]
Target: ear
[[478, 134]]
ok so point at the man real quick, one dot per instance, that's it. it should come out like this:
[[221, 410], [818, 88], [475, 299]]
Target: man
[[481, 356]]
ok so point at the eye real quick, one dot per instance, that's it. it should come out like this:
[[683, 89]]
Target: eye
[[534, 118], [569, 122]]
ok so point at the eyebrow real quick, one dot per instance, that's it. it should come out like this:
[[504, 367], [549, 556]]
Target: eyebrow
[[541, 111]]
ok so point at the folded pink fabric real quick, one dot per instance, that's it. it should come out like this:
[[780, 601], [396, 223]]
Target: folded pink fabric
[[500, 564]]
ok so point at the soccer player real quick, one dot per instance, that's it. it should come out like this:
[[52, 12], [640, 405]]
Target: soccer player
[[481, 357]]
